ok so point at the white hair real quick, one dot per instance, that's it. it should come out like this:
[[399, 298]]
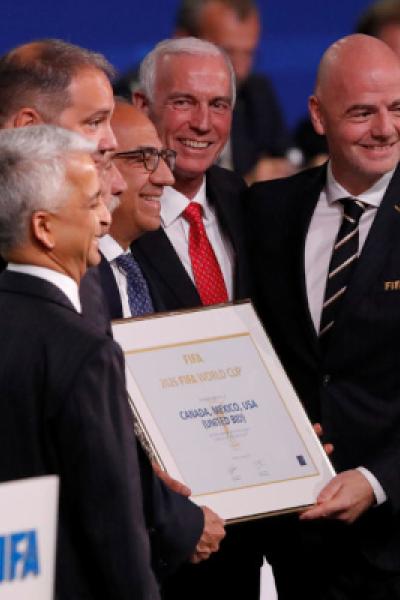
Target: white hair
[[32, 176], [185, 45]]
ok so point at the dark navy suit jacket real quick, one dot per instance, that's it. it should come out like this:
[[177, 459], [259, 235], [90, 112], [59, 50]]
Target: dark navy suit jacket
[[64, 411], [353, 388]]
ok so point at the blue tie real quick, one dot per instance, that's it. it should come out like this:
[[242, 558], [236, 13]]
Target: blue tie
[[138, 292]]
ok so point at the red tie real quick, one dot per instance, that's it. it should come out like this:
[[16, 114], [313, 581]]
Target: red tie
[[206, 270]]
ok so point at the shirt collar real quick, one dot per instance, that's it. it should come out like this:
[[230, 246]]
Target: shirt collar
[[173, 203], [63, 282], [110, 248], [373, 196]]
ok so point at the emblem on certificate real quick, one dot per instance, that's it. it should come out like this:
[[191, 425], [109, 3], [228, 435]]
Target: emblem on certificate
[[218, 412]]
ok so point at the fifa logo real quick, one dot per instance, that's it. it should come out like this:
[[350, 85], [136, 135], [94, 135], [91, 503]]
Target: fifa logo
[[18, 555]]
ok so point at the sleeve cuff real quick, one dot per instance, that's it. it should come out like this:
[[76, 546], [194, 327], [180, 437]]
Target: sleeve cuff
[[379, 492]]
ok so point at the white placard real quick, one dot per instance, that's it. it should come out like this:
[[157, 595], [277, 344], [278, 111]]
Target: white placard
[[28, 519], [220, 412]]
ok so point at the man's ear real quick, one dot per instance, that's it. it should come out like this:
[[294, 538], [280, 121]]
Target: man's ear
[[140, 100], [25, 117], [317, 119], [42, 229]]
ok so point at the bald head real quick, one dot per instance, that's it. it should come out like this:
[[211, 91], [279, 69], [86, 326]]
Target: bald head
[[356, 55], [132, 127], [357, 106]]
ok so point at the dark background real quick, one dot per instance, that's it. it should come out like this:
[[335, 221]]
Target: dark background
[[295, 33]]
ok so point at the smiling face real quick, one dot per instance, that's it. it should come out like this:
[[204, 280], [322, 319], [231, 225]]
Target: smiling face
[[192, 112], [75, 226], [139, 208], [357, 106]]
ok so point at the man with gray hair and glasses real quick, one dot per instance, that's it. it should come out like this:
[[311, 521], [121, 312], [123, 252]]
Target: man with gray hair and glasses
[[63, 401]]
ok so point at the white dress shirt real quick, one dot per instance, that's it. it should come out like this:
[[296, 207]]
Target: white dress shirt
[[63, 282], [173, 203], [111, 250], [323, 230], [321, 236]]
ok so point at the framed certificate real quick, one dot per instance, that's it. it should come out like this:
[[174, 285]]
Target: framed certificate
[[219, 413]]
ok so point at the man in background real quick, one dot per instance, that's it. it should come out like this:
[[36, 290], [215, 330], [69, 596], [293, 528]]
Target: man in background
[[382, 20]]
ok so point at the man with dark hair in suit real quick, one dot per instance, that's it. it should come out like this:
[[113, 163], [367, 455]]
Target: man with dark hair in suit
[[68, 413], [54, 82], [325, 253], [197, 256]]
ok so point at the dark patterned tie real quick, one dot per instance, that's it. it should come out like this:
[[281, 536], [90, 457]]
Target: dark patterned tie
[[138, 292], [343, 259], [207, 273]]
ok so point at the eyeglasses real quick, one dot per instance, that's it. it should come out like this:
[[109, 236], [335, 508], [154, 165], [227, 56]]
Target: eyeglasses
[[149, 157]]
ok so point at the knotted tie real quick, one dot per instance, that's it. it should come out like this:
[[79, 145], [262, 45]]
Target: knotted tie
[[206, 271], [138, 292], [343, 259]]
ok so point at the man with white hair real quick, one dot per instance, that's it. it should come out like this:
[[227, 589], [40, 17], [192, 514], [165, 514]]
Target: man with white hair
[[68, 413], [197, 256], [188, 91]]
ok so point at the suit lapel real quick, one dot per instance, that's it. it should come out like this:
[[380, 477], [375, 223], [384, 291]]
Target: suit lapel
[[110, 289], [384, 232], [301, 217], [226, 210], [227, 205], [154, 252]]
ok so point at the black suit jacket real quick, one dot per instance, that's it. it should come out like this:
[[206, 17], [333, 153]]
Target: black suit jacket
[[64, 411], [174, 523], [353, 389], [170, 285]]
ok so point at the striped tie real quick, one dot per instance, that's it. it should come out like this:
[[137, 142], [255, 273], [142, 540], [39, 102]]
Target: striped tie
[[343, 259]]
